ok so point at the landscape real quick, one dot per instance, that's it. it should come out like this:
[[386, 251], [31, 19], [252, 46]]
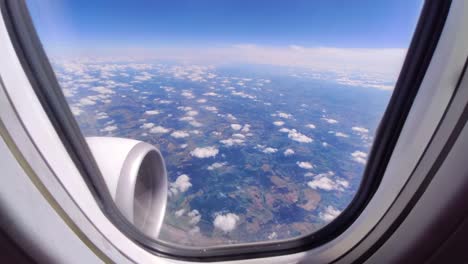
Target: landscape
[[254, 152]]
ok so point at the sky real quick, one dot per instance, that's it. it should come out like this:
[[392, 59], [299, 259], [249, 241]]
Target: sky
[[227, 28]]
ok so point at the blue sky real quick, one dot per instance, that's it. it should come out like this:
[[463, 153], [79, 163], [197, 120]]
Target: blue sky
[[331, 35], [330, 23]]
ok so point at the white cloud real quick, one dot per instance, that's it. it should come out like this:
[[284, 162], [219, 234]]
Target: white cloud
[[326, 182], [186, 118], [179, 213], [181, 184], [152, 112], [147, 125], [360, 130], [330, 120], [195, 123], [359, 157], [296, 136], [87, 101], [237, 135], [211, 94], [141, 78], [269, 150], [205, 152], [243, 95], [288, 152], [102, 90], [180, 134], [76, 110], [192, 113], [226, 222], [187, 94], [236, 126], [340, 134], [232, 141], [211, 109], [159, 130], [201, 101], [278, 123], [312, 126], [109, 128], [217, 165], [329, 213], [272, 236], [339, 60], [195, 217], [246, 128], [305, 165], [284, 115]]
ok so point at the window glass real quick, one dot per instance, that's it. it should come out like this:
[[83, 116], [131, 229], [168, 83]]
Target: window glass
[[264, 111]]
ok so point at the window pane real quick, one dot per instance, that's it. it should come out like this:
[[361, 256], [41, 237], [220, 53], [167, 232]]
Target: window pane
[[264, 111]]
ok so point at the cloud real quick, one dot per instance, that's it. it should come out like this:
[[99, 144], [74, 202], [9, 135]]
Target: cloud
[[305, 165], [159, 130], [360, 130], [195, 217], [339, 60], [201, 101], [296, 136], [109, 128], [269, 150], [195, 123], [329, 120], [326, 182], [211, 109], [211, 94], [181, 184], [186, 118], [246, 128], [87, 101], [359, 157], [311, 126], [217, 165], [243, 95], [205, 152], [340, 134], [187, 94], [288, 152], [102, 90], [141, 78], [76, 110], [152, 112], [226, 222], [278, 123], [329, 213], [179, 134], [272, 236], [232, 141], [283, 115], [147, 125], [192, 113], [102, 115], [236, 126], [179, 213]]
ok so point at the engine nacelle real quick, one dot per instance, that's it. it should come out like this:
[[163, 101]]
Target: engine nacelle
[[135, 174]]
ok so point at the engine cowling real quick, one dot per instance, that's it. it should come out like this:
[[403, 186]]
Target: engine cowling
[[135, 174]]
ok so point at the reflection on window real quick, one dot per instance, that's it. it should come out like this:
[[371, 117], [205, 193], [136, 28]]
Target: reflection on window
[[263, 138]]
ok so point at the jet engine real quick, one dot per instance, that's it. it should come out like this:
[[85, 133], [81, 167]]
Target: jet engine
[[135, 174]]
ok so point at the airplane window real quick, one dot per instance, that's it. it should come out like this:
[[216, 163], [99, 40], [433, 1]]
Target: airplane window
[[264, 112]]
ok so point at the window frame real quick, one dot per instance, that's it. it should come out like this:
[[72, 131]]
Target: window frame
[[42, 78]]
